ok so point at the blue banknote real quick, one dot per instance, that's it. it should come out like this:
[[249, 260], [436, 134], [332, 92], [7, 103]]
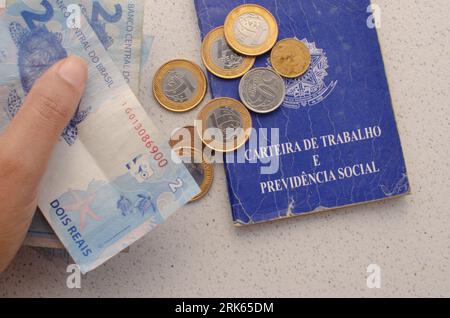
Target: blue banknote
[[40, 233], [119, 25], [111, 179]]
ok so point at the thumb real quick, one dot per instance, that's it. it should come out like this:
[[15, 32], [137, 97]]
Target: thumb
[[47, 110]]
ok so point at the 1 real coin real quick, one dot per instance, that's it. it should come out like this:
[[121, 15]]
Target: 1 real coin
[[262, 90], [251, 29], [290, 58], [220, 59], [179, 85], [224, 124], [201, 171]]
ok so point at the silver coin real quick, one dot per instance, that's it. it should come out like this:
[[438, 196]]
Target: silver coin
[[262, 90], [179, 85]]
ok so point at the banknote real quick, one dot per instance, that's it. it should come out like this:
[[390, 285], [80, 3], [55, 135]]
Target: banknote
[[111, 179], [119, 25], [41, 234]]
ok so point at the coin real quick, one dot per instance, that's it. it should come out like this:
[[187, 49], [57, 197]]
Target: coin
[[201, 171], [262, 90], [290, 58], [251, 29], [220, 59], [179, 85], [225, 124]]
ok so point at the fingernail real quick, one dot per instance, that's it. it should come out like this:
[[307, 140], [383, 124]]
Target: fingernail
[[74, 70]]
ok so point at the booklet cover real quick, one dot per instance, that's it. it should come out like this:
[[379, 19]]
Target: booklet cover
[[334, 142]]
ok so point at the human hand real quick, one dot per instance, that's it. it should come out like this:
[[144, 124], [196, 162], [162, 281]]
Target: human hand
[[26, 147]]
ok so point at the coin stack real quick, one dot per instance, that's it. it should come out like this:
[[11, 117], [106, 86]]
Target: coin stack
[[230, 52]]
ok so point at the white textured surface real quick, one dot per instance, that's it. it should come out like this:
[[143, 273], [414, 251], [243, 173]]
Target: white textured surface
[[198, 252]]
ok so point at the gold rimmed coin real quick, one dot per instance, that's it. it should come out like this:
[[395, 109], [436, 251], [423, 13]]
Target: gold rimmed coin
[[220, 59], [179, 85], [224, 124], [251, 29], [201, 171], [290, 58]]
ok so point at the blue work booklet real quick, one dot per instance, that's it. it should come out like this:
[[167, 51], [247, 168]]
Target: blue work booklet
[[334, 142]]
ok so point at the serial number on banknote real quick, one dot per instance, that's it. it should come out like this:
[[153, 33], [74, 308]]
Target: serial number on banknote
[[145, 138]]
